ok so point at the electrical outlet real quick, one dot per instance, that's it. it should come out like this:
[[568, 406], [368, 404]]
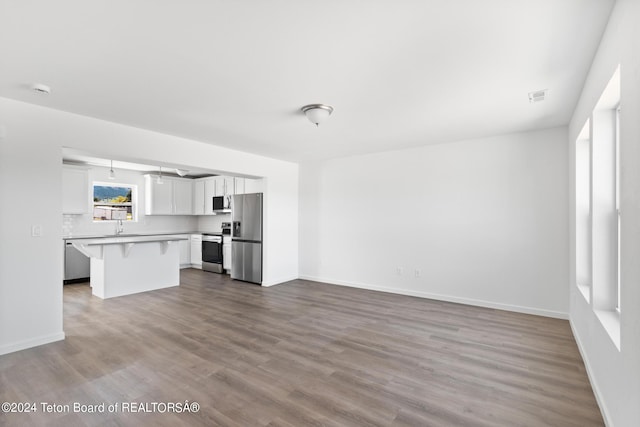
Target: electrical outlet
[[416, 273], [36, 231], [399, 271]]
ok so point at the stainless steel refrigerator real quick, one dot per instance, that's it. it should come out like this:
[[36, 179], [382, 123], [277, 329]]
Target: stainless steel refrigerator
[[246, 237]]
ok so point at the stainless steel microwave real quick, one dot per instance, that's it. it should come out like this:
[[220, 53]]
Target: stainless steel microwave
[[222, 204]]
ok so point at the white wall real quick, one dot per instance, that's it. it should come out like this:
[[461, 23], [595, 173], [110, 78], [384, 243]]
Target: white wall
[[30, 267], [30, 190], [615, 375], [79, 225], [484, 221]]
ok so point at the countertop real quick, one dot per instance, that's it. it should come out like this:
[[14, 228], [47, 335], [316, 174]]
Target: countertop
[[142, 234], [112, 240]]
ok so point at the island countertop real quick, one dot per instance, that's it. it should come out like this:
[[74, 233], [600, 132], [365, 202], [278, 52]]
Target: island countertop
[[124, 265], [113, 240], [69, 237]]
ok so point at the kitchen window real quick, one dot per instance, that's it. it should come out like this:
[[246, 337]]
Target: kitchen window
[[112, 202]]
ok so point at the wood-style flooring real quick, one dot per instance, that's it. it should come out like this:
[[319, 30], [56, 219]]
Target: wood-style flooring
[[298, 354]]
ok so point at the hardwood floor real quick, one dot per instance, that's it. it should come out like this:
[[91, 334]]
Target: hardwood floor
[[301, 353]]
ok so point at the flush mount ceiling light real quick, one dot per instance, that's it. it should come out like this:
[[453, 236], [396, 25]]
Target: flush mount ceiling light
[[40, 88], [112, 174], [537, 96], [317, 113]]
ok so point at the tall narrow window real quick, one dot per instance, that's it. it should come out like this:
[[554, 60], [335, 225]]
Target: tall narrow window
[[619, 225], [583, 212], [606, 203]]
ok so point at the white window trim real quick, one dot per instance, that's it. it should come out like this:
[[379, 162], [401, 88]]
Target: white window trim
[[134, 200]]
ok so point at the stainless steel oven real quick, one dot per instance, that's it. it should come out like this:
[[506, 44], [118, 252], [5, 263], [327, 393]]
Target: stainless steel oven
[[212, 253]]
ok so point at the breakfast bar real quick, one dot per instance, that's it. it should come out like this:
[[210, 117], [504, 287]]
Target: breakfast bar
[[125, 265]]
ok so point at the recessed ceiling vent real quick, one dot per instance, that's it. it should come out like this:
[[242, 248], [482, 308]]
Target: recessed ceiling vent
[[537, 96]]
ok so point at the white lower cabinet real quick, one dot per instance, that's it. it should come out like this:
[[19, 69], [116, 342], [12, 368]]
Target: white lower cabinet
[[226, 256], [196, 250], [185, 253]]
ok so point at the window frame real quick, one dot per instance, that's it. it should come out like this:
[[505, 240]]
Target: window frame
[[133, 204], [618, 225]]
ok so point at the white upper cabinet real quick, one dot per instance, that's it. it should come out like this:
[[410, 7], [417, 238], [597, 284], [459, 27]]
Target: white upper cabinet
[[158, 197], [209, 192], [198, 197], [253, 186], [173, 197], [229, 186], [219, 182], [183, 197], [238, 185], [205, 189], [75, 190]]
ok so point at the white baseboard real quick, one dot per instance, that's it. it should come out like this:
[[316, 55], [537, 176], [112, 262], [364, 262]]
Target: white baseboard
[[33, 342], [268, 283], [448, 298], [592, 380]]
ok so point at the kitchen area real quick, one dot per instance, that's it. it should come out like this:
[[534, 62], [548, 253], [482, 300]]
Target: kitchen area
[[129, 227]]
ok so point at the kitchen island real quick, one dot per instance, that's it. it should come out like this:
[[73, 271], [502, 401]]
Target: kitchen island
[[125, 265]]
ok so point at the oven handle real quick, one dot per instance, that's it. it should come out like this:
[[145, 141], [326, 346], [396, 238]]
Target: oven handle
[[215, 239]]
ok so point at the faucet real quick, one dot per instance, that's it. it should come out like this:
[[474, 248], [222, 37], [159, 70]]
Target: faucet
[[119, 227]]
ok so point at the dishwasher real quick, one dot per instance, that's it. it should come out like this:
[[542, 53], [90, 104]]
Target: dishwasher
[[77, 266]]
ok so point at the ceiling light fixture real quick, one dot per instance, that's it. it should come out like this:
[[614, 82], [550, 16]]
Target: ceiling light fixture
[[182, 172], [112, 174], [40, 88], [317, 113], [159, 180]]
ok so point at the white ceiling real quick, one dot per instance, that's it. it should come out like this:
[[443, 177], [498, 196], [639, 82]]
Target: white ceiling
[[399, 73]]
